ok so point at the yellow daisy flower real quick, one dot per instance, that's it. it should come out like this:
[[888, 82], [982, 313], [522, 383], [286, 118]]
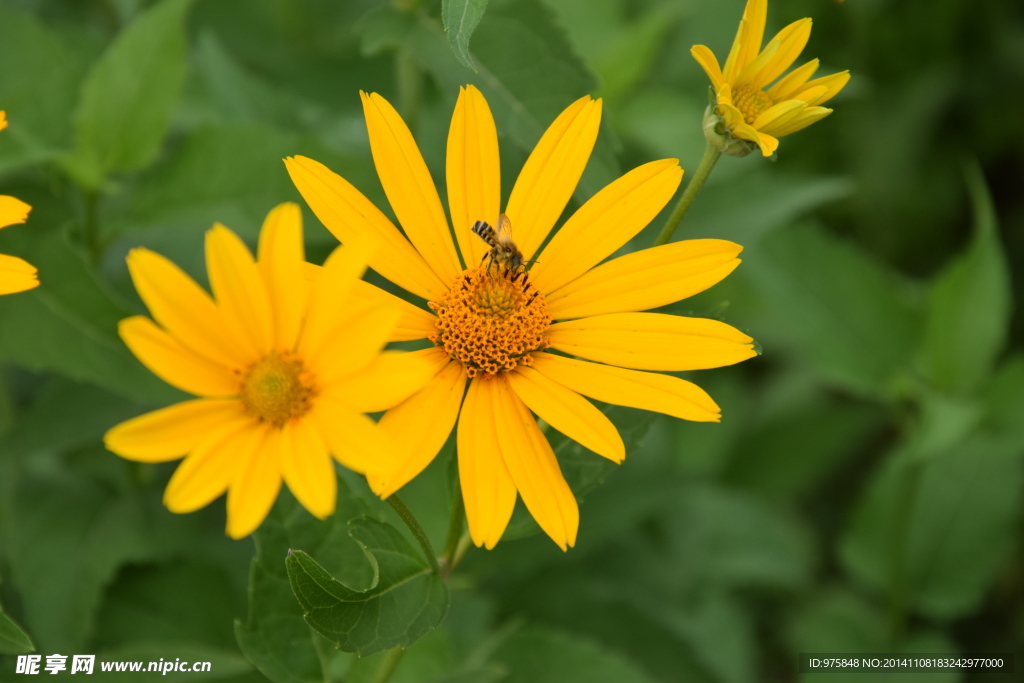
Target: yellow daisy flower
[[16, 275], [752, 109], [284, 371], [493, 326]]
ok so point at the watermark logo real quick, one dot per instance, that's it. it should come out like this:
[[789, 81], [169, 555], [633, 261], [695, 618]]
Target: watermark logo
[[86, 664]]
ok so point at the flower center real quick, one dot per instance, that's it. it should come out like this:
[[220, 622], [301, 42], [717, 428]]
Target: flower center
[[491, 322], [752, 102], [277, 388]]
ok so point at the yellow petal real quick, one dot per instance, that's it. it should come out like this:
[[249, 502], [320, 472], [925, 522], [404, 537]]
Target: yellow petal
[[605, 222], [16, 275], [3, 120], [568, 412], [282, 260], [357, 338], [646, 279], [550, 174], [832, 84], [353, 439], [487, 488], [174, 431], [391, 378], [807, 117], [792, 82], [533, 467], [239, 290], [473, 171], [254, 489], [209, 469], [622, 387], [409, 187], [653, 341], [307, 468], [338, 278], [767, 143], [747, 75], [169, 360], [12, 210], [777, 115], [791, 42], [748, 38], [183, 308], [348, 215], [420, 425], [707, 61]]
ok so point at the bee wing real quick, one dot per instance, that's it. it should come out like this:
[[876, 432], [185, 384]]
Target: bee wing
[[504, 229]]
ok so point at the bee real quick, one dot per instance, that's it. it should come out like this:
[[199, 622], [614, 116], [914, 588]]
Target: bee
[[504, 251]]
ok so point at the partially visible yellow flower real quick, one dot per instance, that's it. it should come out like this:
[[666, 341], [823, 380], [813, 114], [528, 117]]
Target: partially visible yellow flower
[[16, 275], [504, 340], [750, 107], [284, 370]]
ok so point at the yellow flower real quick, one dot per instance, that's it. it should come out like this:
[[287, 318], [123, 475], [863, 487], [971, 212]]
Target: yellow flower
[[751, 108], [284, 371], [16, 275], [493, 326]]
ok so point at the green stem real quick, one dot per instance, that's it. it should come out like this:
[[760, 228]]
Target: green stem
[[707, 162], [409, 76], [898, 564], [451, 544], [390, 663], [421, 536]]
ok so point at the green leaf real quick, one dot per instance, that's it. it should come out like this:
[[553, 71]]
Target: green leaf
[[13, 640], [460, 19], [938, 529], [130, 93], [404, 601], [543, 655], [970, 303], [633, 53]]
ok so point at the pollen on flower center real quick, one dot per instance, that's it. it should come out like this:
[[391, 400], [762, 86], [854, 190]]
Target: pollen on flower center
[[752, 102], [277, 388], [491, 322]]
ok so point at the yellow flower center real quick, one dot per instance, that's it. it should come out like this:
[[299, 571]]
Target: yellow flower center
[[752, 102], [491, 322], [277, 388]]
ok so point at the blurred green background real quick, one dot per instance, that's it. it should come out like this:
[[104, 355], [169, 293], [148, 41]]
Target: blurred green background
[[863, 492]]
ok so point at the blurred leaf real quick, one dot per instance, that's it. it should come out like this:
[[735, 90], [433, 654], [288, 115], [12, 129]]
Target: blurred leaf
[[1004, 397], [405, 600], [13, 640], [845, 311], [460, 18], [384, 28], [542, 655], [970, 304], [938, 529], [130, 93], [630, 58], [275, 638]]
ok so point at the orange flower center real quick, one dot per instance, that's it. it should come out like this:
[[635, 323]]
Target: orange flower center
[[277, 388], [752, 102], [491, 322]]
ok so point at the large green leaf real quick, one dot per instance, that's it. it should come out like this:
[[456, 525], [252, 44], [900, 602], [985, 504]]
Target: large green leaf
[[130, 93], [460, 18], [405, 600], [970, 304], [13, 640], [543, 655]]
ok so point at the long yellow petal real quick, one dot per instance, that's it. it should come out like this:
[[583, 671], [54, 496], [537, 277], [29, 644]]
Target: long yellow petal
[[748, 38], [487, 488], [353, 439], [777, 115], [568, 412], [832, 84], [348, 215], [254, 488], [473, 171], [533, 467], [172, 432], [605, 222], [308, 469], [646, 279], [807, 117], [391, 378], [791, 42], [281, 260], [337, 280], [239, 290], [183, 308], [16, 275], [169, 360], [420, 425], [653, 341], [551, 172], [210, 468], [409, 187], [708, 62], [792, 82], [619, 386], [12, 210], [357, 338]]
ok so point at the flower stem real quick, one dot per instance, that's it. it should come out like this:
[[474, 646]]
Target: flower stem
[[421, 536], [707, 162], [451, 544], [390, 663]]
